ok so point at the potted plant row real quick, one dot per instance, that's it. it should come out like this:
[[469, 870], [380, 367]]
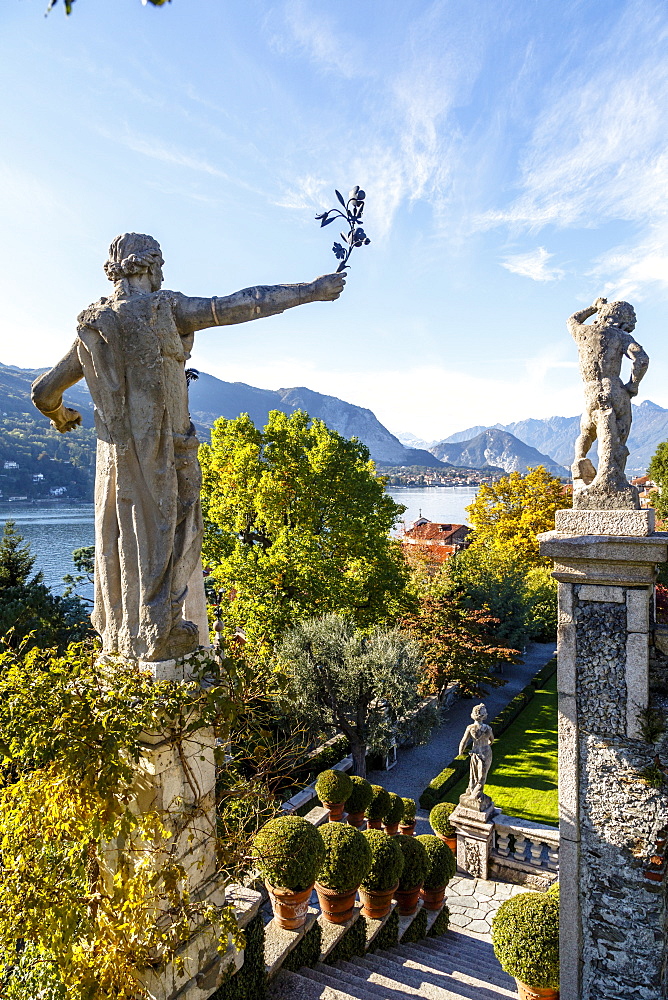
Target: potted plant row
[[442, 866], [333, 788], [439, 818], [525, 936], [377, 808]]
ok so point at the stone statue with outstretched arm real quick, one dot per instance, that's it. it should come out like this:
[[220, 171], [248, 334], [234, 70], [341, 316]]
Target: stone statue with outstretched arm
[[131, 348], [602, 346], [481, 737]]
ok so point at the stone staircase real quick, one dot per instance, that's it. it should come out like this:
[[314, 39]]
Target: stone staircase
[[457, 966]]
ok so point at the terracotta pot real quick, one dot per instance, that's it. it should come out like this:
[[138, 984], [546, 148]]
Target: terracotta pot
[[337, 907], [335, 811], [654, 874], [356, 819], [407, 831], [376, 905], [535, 992], [432, 899], [450, 841], [374, 824], [290, 908], [407, 900], [392, 830]]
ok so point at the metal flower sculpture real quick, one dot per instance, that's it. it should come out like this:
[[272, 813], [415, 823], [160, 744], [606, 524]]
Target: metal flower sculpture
[[352, 215]]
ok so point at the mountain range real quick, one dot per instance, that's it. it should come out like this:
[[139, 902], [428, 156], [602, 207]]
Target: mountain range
[[493, 446]]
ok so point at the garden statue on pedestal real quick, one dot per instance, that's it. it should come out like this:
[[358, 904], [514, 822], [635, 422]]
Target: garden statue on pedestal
[[131, 348], [602, 346], [482, 737]]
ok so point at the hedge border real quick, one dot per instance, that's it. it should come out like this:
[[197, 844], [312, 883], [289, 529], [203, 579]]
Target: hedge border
[[440, 785], [250, 982], [307, 951]]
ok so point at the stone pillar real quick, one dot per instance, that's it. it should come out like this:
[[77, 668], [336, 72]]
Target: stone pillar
[[612, 919], [473, 820], [178, 781]]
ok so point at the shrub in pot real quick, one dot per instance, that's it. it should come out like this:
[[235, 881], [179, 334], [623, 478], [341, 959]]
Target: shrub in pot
[[407, 824], [333, 788], [378, 886], [393, 816], [414, 872], [439, 818], [289, 853], [525, 936], [442, 866], [347, 862], [358, 800], [377, 808]]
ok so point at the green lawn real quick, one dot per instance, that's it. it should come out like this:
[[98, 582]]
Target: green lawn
[[523, 778]]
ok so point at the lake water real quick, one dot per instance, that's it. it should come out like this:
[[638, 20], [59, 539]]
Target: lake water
[[55, 528]]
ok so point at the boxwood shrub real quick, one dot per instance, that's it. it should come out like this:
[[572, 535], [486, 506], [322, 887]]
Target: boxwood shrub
[[395, 812], [289, 852], [439, 818], [442, 864], [410, 809], [351, 945], [388, 935], [525, 935], [439, 786], [333, 786], [441, 924], [416, 930], [360, 796], [387, 861], [249, 983], [379, 804], [347, 857], [307, 951], [416, 862]]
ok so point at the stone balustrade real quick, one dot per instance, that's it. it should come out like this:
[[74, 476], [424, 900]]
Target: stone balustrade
[[524, 852]]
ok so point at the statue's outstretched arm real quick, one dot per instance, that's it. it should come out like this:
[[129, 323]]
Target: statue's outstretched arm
[[48, 389], [639, 366], [254, 303]]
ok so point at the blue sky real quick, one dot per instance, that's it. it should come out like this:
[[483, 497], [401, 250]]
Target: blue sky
[[513, 153]]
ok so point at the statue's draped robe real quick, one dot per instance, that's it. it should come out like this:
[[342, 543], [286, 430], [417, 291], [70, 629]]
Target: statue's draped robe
[[148, 520]]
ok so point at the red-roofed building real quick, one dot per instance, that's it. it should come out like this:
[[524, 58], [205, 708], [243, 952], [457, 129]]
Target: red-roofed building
[[433, 541]]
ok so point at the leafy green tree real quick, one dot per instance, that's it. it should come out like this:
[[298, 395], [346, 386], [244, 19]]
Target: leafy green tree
[[297, 524], [510, 513], [541, 601], [489, 577], [658, 472], [362, 684], [29, 612]]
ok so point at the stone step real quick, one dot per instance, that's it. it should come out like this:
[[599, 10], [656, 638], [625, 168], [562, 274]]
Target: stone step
[[461, 947], [294, 986], [475, 986], [458, 960], [333, 977], [390, 981]]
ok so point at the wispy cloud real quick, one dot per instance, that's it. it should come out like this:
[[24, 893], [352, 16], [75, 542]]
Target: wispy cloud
[[157, 150], [534, 265], [319, 36]]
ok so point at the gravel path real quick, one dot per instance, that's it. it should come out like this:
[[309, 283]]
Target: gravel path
[[417, 766]]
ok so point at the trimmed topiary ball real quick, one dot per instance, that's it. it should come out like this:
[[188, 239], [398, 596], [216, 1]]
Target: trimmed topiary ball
[[525, 935], [395, 813], [360, 796], [333, 786], [439, 818], [289, 852], [347, 857], [442, 864], [553, 890], [416, 862], [409, 811], [387, 861], [379, 804]]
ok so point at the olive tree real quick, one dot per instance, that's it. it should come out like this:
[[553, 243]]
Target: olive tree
[[363, 684]]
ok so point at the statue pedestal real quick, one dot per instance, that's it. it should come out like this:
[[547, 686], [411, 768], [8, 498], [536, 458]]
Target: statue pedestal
[[612, 924], [473, 820], [177, 780]]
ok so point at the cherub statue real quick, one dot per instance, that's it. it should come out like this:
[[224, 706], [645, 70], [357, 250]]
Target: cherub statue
[[131, 347], [602, 346], [482, 738]]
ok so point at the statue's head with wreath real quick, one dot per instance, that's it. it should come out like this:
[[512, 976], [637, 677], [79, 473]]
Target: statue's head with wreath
[[133, 254]]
